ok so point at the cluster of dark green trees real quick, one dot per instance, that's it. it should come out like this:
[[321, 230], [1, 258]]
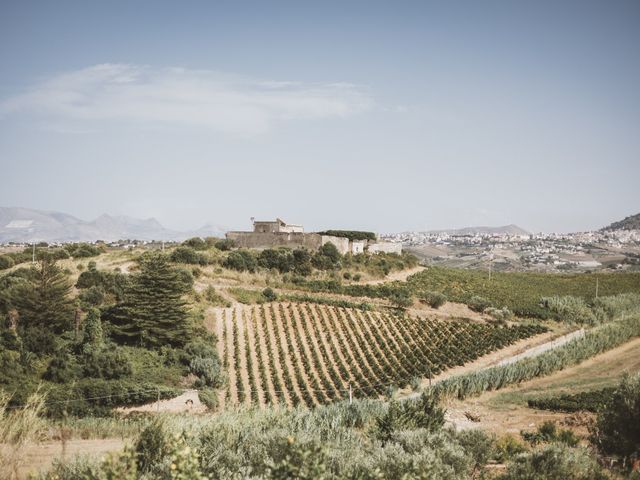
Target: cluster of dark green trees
[[98, 334]]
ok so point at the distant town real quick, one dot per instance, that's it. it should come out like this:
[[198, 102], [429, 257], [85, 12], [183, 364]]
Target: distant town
[[613, 249]]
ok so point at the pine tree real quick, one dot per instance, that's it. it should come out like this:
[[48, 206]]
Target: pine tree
[[154, 313], [45, 302]]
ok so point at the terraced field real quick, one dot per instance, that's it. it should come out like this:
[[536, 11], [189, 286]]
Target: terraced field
[[293, 354]]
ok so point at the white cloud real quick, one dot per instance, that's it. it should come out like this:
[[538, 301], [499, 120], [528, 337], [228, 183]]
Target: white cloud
[[177, 96]]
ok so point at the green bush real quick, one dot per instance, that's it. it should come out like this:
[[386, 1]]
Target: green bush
[[224, 244], [209, 397], [269, 294], [433, 299], [548, 432], [196, 243], [152, 446], [62, 368], [617, 429], [6, 262], [569, 309], [189, 256], [83, 250], [241, 260], [110, 364], [478, 303], [555, 462], [592, 401]]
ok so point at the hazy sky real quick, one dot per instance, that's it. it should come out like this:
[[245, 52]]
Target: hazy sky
[[386, 116]]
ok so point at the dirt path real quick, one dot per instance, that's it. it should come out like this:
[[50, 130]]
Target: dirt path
[[540, 349], [400, 276], [188, 402], [538, 343], [506, 410]]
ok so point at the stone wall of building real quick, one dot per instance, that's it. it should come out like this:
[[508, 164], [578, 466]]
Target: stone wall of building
[[311, 241], [386, 247], [342, 244]]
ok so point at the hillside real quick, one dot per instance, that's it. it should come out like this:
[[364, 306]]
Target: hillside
[[632, 222], [25, 225]]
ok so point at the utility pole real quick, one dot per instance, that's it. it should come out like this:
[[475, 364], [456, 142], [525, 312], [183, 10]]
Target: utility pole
[[33, 252], [350, 394], [597, 285]]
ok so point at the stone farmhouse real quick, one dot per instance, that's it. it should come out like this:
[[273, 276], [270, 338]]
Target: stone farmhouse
[[278, 233]]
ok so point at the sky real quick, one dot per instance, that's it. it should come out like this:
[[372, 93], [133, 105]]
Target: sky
[[383, 116]]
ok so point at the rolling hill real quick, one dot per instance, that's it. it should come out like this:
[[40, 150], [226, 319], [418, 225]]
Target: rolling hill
[[632, 222], [29, 225]]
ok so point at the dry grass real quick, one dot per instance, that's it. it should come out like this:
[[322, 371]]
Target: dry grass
[[18, 428]]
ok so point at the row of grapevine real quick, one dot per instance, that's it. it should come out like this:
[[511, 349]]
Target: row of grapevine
[[293, 354]]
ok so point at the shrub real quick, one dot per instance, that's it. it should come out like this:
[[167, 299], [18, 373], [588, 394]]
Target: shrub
[[617, 429], [433, 299], [152, 446], [188, 255], [107, 364], [592, 401], [92, 297], [401, 298], [240, 260], [209, 397], [207, 369], [279, 259], [85, 250], [357, 277], [6, 262], [500, 315], [548, 432], [569, 309], [507, 447], [225, 244], [61, 369], [269, 294], [195, 243], [478, 304], [555, 462]]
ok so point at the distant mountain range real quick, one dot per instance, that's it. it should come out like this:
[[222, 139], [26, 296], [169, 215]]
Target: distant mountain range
[[504, 230], [28, 225], [632, 222]]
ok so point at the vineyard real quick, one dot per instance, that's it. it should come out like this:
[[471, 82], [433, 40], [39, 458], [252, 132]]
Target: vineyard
[[293, 354]]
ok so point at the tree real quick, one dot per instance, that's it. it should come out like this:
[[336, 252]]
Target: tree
[[154, 312], [93, 335], [44, 301], [327, 257], [302, 262], [617, 430]]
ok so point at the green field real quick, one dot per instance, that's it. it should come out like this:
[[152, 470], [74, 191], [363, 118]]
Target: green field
[[521, 291]]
